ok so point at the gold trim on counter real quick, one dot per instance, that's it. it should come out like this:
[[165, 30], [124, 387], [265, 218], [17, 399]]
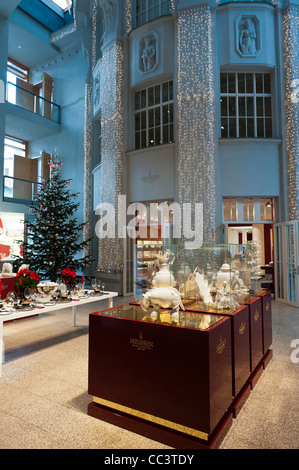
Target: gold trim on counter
[[151, 418]]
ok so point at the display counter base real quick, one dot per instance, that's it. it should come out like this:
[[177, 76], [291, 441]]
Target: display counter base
[[240, 400], [159, 433], [267, 358]]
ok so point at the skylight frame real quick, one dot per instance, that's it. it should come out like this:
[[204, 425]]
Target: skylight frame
[[55, 7]]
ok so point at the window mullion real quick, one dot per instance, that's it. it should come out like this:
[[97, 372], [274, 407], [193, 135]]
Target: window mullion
[[254, 106], [237, 105]]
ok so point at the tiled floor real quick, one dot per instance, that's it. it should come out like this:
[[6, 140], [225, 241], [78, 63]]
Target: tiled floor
[[43, 390]]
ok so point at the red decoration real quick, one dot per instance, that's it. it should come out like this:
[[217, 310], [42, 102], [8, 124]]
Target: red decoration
[[68, 275]]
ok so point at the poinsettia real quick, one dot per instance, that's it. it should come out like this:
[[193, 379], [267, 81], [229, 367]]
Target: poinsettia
[[68, 275], [26, 278]]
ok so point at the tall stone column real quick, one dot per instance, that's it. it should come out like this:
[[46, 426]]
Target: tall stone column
[[291, 69], [111, 92], [196, 111]]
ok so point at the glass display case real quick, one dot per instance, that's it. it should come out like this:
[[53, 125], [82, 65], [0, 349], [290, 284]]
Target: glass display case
[[144, 379], [208, 278]]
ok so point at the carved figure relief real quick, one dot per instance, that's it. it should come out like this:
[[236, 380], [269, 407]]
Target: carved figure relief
[[110, 17], [148, 53], [248, 36]]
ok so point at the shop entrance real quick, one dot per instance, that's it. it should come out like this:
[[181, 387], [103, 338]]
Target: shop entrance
[[286, 262], [261, 235]]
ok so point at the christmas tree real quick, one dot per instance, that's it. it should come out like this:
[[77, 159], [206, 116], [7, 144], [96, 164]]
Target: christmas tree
[[54, 235]]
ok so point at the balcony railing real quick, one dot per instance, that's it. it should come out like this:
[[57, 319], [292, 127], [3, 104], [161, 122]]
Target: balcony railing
[[35, 103], [18, 190]]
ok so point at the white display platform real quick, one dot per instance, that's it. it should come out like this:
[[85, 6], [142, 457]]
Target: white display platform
[[73, 304]]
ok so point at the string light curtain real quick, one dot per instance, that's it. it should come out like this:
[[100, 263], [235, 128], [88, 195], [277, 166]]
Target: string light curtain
[[291, 67], [112, 113], [196, 109]]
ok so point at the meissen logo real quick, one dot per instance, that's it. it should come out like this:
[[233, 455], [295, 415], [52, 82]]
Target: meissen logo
[[141, 343], [242, 328], [256, 315], [221, 346]]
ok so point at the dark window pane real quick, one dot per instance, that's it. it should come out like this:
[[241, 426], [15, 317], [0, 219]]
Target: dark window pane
[[143, 139], [150, 118], [137, 121], [223, 82], [267, 83], [232, 106], [223, 106], [224, 128], [157, 117], [137, 140], [268, 127], [171, 133], [259, 107], [250, 127], [165, 113], [259, 83], [268, 107], [157, 136], [249, 83], [157, 94], [242, 108], [170, 106], [143, 120], [170, 91], [165, 134], [165, 92], [241, 83], [260, 127], [249, 106], [150, 96], [137, 100], [151, 137], [231, 83], [242, 127], [143, 99], [232, 128]]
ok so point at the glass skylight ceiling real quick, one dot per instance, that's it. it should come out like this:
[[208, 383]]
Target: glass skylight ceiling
[[62, 5]]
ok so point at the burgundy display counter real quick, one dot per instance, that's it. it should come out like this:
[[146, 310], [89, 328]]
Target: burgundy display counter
[[255, 328], [7, 284], [240, 336], [169, 381], [266, 299]]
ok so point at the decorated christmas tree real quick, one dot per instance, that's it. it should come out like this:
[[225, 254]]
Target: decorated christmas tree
[[54, 238]]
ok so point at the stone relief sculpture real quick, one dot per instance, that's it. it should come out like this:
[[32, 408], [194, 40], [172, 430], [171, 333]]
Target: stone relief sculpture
[[110, 17], [149, 54], [248, 38]]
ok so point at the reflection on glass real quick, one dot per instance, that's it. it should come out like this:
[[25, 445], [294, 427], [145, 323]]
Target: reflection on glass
[[200, 321]]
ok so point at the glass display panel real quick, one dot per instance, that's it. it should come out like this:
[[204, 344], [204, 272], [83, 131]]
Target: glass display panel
[[204, 279], [186, 319]]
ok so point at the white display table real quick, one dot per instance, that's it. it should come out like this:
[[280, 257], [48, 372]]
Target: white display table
[[73, 304]]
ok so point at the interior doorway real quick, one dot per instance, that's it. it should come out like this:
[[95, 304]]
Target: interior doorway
[[262, 236]]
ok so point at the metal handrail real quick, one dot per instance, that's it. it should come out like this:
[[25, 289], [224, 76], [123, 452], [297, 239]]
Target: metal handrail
[[20, 200], [35, 96]]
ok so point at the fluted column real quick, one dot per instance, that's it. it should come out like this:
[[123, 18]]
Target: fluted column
[[196, 111], [291, 69]]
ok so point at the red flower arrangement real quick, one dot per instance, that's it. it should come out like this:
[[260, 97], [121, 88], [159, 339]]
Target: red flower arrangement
[[68, 275], [26, 278]]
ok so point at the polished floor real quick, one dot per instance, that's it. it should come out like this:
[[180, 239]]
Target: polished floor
[[44, 398]]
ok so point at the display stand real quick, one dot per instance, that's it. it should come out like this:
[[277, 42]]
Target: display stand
[[240, 335], [142, 381]]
